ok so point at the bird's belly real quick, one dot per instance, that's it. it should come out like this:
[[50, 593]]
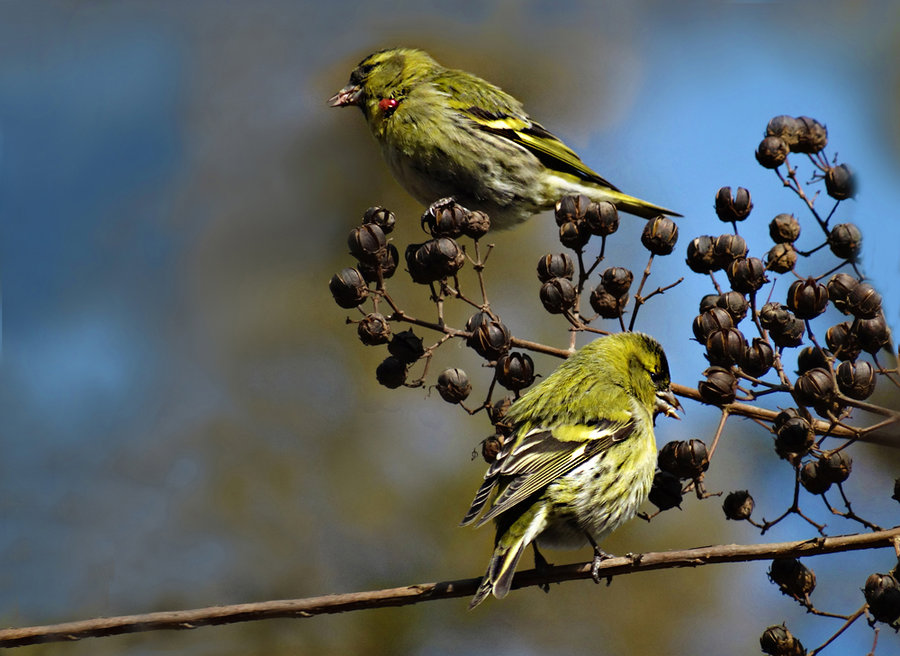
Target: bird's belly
[[599, 496], [503, 187]]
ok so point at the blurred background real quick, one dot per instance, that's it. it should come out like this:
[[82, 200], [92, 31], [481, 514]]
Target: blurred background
[[185, 419]]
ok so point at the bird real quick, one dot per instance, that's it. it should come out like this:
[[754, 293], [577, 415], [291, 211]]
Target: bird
[[448, 134], [581, 456]]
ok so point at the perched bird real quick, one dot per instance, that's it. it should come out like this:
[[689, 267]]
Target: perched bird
[[581, 457], [447, 133]]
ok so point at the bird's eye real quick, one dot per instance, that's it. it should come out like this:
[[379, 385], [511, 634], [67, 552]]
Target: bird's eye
[[656, 376]]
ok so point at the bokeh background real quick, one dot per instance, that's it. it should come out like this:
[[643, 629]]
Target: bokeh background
[[185, 419]]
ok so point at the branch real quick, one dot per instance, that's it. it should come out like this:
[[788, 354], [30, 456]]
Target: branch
[[339, 603], [864, 434]]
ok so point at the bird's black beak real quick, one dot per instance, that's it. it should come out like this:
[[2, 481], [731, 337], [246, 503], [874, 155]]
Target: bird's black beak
[[667, 404], [349, 95]]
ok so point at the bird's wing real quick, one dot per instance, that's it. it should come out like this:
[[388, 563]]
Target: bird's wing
[[491, 109], [536, 139], [539, 457]]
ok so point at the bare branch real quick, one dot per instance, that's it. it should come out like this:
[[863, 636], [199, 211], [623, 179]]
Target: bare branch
[[340, 603]]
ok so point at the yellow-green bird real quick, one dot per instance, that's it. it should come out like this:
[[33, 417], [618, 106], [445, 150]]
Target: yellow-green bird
[[446, 133], [581, 457]]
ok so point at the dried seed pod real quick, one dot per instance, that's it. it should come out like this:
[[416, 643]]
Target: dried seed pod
[[842, 341], [453, 385], [792, 577], [719, 386], [746, 274], [684, 459], [810, 358], [448, 257], [784, 228], [856, 379], [348, 287], [710, 321], [778, 641], [605, 304], [771, 152], [812, 479], [515, 371], [391, 372], [660, 235], [728, 247], [444, 219], [840, 182], [864, 301], [382, 217], [789, 334], [735, 304], [497, 414], [794, 435], [433, 260], [882, 593], [573, 208], [835, 468], [558, 295], [781, 258], [367, 243], [733, 208], [476, 225], [738, 505], [374, 329], [491, 447], [807, 298], [814, 387], [709, 302], [873, 334], [787, 128], [813, 136], [758, 358], [558, 265], [617, 280], [406, 346], [725, 347], [845, 241], [386, 264], [489, 337], [774, 315], [604, 221], [574, 234], [665, 492], [839, 288], [700, 255]]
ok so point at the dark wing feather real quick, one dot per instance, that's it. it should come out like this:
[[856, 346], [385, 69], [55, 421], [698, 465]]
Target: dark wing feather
[[540, 142], [537, 459]]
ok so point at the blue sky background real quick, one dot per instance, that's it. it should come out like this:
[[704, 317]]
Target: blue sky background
[[186, 421]]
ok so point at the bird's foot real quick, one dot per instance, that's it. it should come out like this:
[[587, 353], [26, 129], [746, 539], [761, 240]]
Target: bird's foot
[[541, 565], [599, 557], [441, 203]]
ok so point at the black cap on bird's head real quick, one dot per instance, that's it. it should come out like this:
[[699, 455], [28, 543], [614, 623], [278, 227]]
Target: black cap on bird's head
[[382, 75]]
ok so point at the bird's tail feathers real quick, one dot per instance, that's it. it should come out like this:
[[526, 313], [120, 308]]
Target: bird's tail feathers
[[500, 571], [598, 192], [632, 204], [510, 545]]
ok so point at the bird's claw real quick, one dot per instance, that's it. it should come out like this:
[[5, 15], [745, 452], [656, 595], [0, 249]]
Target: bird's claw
[[541, 565], [599, 557]]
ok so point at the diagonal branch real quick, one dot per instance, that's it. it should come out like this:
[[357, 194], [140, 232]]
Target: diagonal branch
[[413, 594]]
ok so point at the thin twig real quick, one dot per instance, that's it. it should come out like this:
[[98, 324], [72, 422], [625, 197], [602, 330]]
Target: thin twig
[[846, 625]]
